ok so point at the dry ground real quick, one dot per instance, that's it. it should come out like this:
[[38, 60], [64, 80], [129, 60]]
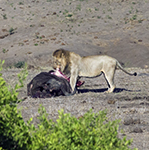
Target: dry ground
[[129, 102], [31, 30]]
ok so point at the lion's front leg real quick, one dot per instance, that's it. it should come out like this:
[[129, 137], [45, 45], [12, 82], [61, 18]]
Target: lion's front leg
[[73, 80]]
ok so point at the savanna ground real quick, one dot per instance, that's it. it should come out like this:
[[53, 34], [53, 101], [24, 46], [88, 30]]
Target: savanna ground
[[31, 30]]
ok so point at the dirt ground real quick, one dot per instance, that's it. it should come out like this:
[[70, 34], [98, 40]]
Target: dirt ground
[[31, 30], [129, 102]]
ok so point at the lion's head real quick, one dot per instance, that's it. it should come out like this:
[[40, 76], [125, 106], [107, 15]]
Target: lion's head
[[61, 60]]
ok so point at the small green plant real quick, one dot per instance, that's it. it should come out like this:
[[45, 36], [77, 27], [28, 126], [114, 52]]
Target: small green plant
[[21, 3], [98, 17], [109, 17], [89, 10], [110, 10], [96, 9], [126, 20], [11, 4], [21, 77], [4, 16], [69, 15], [19, 64], [78, 7], [130, 11], [11, 31], [36, 44], [133, 18], [4, 50], [65, 12]]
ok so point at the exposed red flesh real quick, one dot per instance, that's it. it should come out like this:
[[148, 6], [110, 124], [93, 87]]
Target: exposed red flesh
[[60, 74]]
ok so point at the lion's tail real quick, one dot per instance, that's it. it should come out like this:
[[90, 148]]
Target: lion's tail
[[119, 65]]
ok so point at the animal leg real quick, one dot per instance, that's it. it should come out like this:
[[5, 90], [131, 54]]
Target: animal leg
[[110, 80], [73, 80]]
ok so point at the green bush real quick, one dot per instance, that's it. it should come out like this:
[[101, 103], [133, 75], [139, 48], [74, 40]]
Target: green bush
[[19, 64], [90, 132], [13, 131]]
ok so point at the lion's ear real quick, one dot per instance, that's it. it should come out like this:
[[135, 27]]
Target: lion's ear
[[62, 55], [63, 59]]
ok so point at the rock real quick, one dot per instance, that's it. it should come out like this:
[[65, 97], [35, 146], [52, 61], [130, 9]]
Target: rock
[[111, 101], [137, 130], [128, 121]]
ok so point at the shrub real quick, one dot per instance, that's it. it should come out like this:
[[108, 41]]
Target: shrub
[[89, 132], [13, 130], [19, 64]]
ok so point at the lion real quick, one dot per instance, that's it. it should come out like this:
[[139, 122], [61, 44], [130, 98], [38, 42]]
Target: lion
[[87, 66]]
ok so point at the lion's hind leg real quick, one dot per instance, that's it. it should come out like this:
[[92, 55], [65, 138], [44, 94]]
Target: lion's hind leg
[[109, 76]]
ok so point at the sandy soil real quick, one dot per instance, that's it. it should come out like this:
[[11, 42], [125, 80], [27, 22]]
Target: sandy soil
[[31, 30], [129, 102]]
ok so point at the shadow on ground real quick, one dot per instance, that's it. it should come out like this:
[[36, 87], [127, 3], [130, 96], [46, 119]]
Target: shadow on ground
[[117, 90]]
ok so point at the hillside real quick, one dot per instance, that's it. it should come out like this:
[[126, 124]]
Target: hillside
[[31, 30]]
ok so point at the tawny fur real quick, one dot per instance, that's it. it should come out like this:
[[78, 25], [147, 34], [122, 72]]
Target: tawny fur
[[89, 66]]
